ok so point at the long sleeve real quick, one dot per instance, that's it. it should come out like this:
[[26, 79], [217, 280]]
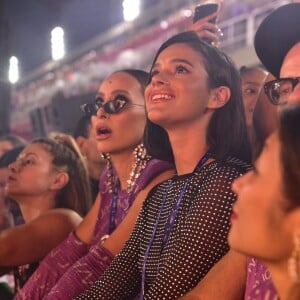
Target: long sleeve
[[53, 266], [198, 237], [82, 274], [122, 279]]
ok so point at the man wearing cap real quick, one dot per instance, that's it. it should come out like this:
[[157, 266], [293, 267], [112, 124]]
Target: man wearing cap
[[277, 44]]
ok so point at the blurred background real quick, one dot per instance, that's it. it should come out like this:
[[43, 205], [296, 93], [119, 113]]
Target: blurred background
[[54, 53]]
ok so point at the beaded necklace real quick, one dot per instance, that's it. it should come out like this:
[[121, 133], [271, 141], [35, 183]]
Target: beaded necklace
[[141, 160], [170, 221]]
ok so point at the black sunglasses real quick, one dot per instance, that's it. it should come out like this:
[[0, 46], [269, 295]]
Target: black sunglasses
[[111, 107], [279, 90]]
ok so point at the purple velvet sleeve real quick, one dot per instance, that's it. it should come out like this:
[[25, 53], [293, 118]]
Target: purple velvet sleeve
[[53, 266], [82, 274]]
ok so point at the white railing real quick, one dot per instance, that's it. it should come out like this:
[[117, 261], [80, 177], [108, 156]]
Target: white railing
[[239, 31]]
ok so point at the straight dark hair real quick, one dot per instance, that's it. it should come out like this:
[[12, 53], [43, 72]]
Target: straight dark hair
[[227, 133]]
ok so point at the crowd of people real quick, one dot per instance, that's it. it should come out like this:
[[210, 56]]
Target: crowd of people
[[178, 183]]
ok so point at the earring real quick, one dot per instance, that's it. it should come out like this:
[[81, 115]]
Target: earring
[[294, 260]]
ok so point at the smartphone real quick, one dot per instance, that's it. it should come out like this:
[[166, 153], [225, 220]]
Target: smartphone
[[204, 10]]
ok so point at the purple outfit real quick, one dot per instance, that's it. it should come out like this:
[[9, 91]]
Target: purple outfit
[[73, 266], [259, 284]]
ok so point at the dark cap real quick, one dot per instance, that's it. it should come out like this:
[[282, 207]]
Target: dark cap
[[276, 35]]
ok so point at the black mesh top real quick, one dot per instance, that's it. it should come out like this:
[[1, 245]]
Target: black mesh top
[[198, 237]]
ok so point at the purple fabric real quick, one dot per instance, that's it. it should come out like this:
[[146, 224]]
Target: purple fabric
[[64, 276], [125, 199], [259, 284], [82, 274], [52, 267]]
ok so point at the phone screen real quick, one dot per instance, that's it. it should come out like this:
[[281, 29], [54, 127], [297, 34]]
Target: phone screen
[[204, 10]]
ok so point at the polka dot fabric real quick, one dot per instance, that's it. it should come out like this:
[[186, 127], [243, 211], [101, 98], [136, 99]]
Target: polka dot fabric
[[197, 241]]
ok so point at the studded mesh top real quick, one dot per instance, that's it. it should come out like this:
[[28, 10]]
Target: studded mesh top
[[197, 240]]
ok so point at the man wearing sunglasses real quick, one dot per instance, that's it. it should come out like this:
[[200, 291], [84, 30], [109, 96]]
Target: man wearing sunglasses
[[277, 44]]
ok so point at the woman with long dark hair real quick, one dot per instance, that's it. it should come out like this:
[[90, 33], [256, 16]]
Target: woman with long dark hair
[[195, 120]]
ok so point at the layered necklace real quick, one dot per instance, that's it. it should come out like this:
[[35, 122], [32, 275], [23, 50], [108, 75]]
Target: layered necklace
[[113, 183]]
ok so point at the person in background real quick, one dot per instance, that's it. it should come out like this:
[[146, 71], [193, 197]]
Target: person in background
[[118, 118], [182, 229], [9, 208], [274, 237], [50, 183], [280, 53], [9, 141], [264, 116], [10, 215], [253, 79], [85, 138]]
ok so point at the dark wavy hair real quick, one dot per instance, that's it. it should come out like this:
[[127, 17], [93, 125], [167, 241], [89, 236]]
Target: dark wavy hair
[[289, 136], [227, 134]]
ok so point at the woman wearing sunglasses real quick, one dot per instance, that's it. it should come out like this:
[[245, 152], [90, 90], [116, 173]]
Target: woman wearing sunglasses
[[196, 120], [118, 117]]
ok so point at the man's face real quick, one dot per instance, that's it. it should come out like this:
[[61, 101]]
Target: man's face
[[291, 68]]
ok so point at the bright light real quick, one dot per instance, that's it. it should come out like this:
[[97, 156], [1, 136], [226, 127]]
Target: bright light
[[57, 43], [13, 72], [186, 13], [164, 25], [131, 9]]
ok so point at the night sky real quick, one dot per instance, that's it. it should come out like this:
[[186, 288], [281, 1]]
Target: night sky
[[31, 22]]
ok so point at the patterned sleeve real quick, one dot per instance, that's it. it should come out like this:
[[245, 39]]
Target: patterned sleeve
[[52, 267], [122, 279], [200, 236]]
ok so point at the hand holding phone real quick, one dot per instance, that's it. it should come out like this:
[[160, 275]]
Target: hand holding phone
[[204, 10], [204, 22]]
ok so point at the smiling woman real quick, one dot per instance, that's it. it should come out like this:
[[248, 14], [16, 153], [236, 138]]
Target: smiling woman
[[196, 120]]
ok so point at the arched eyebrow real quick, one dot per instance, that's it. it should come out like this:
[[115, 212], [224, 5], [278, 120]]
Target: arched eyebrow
[[116, 92], [176, 60]]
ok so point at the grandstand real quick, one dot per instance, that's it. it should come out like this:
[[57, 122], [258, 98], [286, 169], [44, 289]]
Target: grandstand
[[49, 97]]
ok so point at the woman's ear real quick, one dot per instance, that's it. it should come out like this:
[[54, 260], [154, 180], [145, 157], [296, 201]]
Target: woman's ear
[[81, 141], [219, 97], [61, 179]]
